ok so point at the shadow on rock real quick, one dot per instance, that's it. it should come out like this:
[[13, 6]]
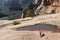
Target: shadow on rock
[[37, 27]]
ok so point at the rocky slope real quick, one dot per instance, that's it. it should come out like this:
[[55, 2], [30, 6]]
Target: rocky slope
[[47, 6], [52, 19], [31, 28]]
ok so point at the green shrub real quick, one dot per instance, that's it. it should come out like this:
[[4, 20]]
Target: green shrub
[[30, 13], [16, 22]]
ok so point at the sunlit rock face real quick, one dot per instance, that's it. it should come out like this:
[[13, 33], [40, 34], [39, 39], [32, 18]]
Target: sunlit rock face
[[48, 5], [56, 2], [51, 2], [58, 10]]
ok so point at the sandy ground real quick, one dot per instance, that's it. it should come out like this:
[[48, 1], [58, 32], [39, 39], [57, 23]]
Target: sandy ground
[[30, 28], [28, 35], [19, 35]]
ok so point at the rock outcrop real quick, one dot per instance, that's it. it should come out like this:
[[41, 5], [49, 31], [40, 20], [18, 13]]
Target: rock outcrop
[[47, 6]]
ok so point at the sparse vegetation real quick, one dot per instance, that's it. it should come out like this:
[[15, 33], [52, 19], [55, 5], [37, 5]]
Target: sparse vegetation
[[53, 11], [30, 13], [16, 22]]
